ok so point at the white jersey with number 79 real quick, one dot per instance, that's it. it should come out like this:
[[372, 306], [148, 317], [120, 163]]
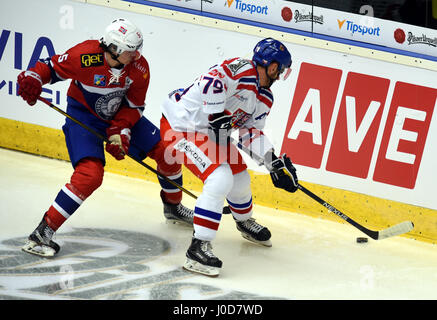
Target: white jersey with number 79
[[232, 86]]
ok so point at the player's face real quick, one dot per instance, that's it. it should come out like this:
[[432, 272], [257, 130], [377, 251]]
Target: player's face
[[129, 56], [273, 73], [267, 76]]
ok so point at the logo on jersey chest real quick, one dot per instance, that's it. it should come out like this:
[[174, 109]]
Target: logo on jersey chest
[[239, 117], [99, 80], [107, 106], [91, 60], [115, 76]]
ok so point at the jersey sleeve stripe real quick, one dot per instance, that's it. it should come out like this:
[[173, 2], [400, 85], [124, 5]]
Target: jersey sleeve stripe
[[248, 80], [250, 87], [261, 96]]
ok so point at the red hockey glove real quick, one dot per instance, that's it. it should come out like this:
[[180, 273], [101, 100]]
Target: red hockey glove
[[119, 139], [283, 173], [220, 127], [30, 86]]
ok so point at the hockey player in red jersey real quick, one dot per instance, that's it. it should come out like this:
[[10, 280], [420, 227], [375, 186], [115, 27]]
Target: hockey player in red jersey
[[197, 122], [109, 83]]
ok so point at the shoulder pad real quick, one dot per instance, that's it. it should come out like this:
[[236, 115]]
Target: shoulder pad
[[239, 67], [142, 66]]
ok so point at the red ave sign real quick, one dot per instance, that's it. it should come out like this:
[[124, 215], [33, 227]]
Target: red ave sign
[[357, 127]]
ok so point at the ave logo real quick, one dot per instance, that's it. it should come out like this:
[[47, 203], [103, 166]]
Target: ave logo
[[368, 127]]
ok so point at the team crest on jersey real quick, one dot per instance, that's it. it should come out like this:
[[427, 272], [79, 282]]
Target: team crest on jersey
[[91, 60], [107, 106], [235, 66], [99, 80], [239, 117]]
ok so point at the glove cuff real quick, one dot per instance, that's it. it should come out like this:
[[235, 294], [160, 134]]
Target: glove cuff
[[269, 158], [34, 75], [118, 127], [126, 132]]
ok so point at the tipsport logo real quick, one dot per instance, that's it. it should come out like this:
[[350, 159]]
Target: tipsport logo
[[359, 28], [244, 6]]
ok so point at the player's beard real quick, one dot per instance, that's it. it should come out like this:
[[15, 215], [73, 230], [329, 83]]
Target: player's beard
[[271, 81]]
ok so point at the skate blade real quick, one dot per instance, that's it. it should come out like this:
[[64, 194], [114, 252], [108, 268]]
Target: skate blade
[[178, 222], [266, 243], [196, 267], [39, 250]]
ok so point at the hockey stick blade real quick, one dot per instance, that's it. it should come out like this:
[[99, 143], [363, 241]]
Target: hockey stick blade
[[392, 231], [396, 230]]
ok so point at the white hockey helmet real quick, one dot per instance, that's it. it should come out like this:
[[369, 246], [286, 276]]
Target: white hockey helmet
[[122, 35]]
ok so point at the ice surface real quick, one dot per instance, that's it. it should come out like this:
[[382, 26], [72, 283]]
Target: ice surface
[[118, 246]]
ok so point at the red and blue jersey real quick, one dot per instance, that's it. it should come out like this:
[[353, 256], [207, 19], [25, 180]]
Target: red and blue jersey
[[110, 94]]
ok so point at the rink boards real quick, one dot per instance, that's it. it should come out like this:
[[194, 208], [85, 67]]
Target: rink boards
[[356, 122]]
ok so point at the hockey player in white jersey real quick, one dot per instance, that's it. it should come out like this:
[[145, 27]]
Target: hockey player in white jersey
[[197, 122]]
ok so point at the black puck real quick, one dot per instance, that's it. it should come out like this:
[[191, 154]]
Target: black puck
[[362, 240]]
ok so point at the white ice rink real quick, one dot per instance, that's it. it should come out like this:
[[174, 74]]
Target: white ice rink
[[118, 246]]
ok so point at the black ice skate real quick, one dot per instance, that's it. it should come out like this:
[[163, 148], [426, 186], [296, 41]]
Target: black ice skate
[[200, 259], [178, 214], [40, 241], [254, 232]]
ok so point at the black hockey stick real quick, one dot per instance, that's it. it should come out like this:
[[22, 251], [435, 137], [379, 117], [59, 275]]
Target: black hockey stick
[[395, 230], [101, 137]]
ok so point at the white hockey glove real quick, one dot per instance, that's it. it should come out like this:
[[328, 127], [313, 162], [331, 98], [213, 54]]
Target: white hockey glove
[[282, 172]]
